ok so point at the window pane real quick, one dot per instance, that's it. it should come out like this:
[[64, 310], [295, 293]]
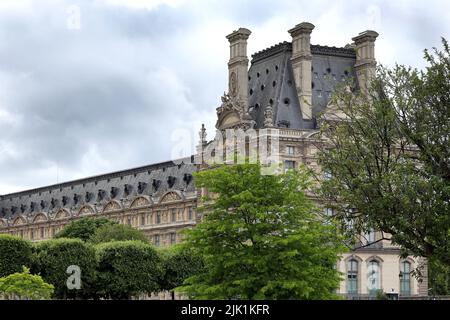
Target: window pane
[[174, 215], [405, 278], [352, 277], [373, 277]]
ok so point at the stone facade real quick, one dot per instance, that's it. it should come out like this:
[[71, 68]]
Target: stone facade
[[285, 89]]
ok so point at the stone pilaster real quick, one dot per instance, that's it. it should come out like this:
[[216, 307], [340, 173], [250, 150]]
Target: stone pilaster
[[301, 64]]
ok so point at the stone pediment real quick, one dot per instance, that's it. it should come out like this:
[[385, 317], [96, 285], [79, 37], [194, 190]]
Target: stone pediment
[[232, 113]]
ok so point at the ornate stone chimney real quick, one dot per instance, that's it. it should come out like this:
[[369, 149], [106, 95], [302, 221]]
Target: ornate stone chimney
[[301, 64], [365, 57], [233, 112], [238, 65]]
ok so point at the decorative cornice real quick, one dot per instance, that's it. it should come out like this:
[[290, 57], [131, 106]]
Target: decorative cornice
[[333, 51], [315, 49], [278, 48]]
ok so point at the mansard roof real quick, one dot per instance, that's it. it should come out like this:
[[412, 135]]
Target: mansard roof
[[271, 82], [152, 181]]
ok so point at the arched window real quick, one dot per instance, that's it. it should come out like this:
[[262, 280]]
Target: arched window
[[405, 278], [373, 277], [352, 276]]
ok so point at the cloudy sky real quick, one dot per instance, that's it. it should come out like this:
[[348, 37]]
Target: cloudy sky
[[88, 87]]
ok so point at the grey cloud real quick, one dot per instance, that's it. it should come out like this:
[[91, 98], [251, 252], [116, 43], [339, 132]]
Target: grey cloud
[[107, 96]]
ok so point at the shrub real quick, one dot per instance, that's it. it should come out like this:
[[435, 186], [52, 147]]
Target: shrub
[[127, 268], [14, 254], [117, 232], [53, 257]]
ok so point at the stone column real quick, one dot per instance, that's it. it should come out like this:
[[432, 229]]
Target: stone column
[[238, 65], [365, 58], [301, 64]]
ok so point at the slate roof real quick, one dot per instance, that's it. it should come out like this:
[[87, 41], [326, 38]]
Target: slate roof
[[271, 82], [151, 180]]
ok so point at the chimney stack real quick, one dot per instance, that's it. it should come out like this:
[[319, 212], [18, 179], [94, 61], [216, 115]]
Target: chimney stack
[[365, 57], [238, 65], [301, 64]]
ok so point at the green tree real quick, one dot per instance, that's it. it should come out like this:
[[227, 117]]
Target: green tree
[[14, 254], [179, 263], [117, 232], [53, 257], [127, 268], [389, 157], [25, 286], [438, 278], [262, 238], [83, 228]]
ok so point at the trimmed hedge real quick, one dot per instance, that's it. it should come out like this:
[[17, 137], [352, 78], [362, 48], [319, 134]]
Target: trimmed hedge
[[15, 253], [53, 257], [127, 268]]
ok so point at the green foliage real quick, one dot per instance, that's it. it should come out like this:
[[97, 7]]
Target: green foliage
[[117, 232], [53, 257], [381, 295], [438, 278], [390, 158], [25, 286], [262, 238], [83, 228], [127, 268], [14, 254], [179, 263]]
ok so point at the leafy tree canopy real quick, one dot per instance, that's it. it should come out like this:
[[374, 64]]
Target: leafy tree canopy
[[83, 228], [127, 268], [117, 232], [25, 286], [179, 263], [14, 254], [262, 238], [389, 157], [53, 257]]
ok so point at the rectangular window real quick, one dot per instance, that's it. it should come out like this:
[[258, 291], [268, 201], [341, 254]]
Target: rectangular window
[[173, 238], [405, 278], [42, 233], [158, 217], [290, 150], [190, 213], [289, 165], [142, 220], [156, 240], [174, 215], [370, 236], [129, 221], [32, 234]]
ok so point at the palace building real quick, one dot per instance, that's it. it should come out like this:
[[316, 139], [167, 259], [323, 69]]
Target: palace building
[[285, 88]]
